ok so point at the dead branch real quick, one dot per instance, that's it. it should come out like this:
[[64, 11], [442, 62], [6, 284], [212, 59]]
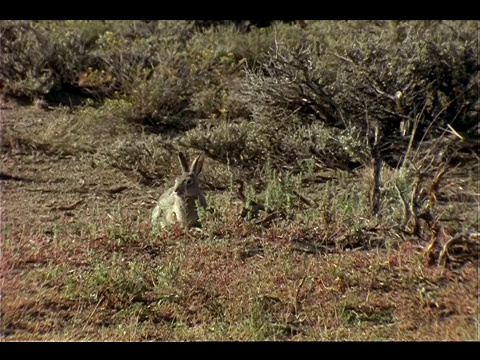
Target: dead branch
[[406, 209], [305, 200], [435, 184], [296, 303], [375, 194], [69, 207], [117, 189]]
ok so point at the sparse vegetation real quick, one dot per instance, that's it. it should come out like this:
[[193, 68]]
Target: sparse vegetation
[[341, 176]]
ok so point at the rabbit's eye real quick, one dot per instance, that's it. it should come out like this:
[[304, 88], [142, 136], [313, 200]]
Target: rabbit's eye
[[189, 181]]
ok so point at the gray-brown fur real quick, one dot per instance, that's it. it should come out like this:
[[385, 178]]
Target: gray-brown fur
[[179, 203]]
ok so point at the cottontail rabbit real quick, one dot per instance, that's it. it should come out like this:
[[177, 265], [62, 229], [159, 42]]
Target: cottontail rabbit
[[178, 203]]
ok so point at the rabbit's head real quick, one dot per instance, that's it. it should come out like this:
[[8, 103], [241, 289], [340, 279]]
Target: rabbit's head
[[187, 185]]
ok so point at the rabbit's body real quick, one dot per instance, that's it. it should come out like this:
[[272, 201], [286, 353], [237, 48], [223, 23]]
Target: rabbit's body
[[179, 203]]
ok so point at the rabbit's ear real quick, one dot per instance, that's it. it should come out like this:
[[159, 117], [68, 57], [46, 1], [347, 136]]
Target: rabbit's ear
[[197, 164], [183, 161]]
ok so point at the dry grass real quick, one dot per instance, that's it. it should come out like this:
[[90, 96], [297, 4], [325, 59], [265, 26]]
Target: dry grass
[[79, 260]]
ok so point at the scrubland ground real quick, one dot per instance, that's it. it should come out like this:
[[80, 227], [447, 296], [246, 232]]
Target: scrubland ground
[[325, 222]]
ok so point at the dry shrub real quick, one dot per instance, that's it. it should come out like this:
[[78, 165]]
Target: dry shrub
[[386, 75], [249, 145], [150, 160], [92, 58], [219, 54], [39, 57], [161, 98]]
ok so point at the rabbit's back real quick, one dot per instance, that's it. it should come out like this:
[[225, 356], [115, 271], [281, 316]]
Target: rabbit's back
[[164, 212]]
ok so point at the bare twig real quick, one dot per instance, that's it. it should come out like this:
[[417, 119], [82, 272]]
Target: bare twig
[[406, 209], [305, 200], [454, 132], [414, 205], [270, 217], [435, 184], [69, 207], [117, 189], [296, 303], [375, 197]]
